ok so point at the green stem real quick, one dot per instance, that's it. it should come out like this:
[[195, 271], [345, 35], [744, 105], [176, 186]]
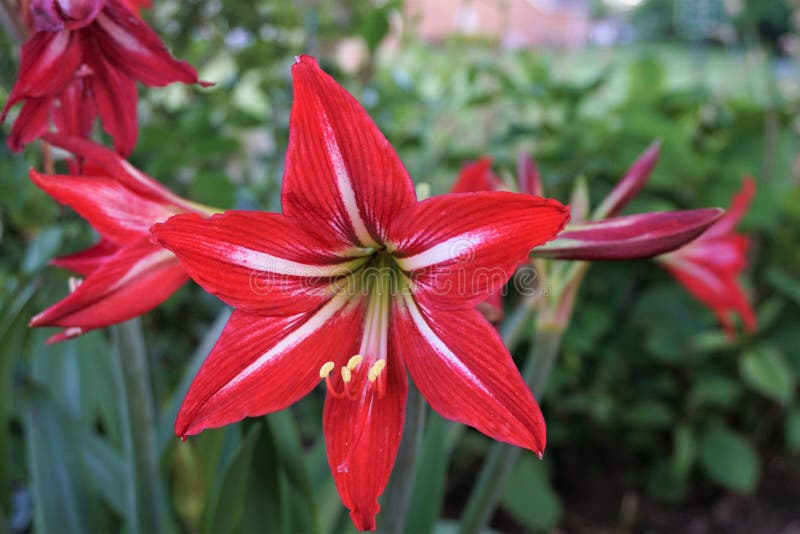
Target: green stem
[[398, 494], [145, 498], [515, 325], [491, 481]]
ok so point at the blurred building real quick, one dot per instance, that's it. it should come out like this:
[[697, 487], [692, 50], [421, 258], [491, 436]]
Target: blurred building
[[514, 23]]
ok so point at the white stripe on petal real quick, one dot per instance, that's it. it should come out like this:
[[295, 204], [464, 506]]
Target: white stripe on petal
[[122, 37], [344, 183], [461, 247], [145, 264], [261, 261], [440, 347], [294, 338], [56, 48]]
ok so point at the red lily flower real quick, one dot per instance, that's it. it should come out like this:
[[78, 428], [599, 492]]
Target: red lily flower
[[356, 276], [709, 266], [126, 273], [84, 59]]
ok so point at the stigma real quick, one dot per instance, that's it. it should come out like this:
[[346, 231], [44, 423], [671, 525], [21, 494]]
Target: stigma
[[355, 378]]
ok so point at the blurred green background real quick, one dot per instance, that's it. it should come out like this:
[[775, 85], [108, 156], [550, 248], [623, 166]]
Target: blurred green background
[[656, 421]]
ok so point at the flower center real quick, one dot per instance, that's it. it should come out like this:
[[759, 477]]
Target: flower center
[[354, 378], [364, 372]]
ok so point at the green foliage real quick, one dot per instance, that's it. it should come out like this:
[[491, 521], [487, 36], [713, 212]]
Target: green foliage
[[765, 370], [530, 498], [729, 459]]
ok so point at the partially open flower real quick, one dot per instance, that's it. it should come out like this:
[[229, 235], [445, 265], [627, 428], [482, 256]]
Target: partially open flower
[[709, 267], [126, 273]]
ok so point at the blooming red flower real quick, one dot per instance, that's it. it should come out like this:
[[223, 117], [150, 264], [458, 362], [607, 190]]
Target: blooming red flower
[[357, 277], [709, 266], [83, 60], [125, 274]]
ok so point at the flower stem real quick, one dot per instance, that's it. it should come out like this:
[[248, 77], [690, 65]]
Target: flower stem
[[491, 481], [144, 499], [398, 494]]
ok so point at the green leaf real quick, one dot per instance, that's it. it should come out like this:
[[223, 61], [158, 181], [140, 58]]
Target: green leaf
[[188, 488], [227, 506], [43, 247], [286, 435], [715, 391], [785, 284], [13, 331], [166, 434], [429, 483], [765, 370], [63, 499], [103, 469], [729, 459], [649, 413], [684, 450], [529, 497], [793, 429]]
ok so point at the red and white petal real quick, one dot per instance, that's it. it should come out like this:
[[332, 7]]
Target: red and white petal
[[68, 333], [119, 169], [49, 61], [460, 247], [630, 184], [629, 237], [263, 364], [87, 260], [340, 170], [475, 177], [135, 280], [116, 100], [32, 121], [74, 110], [362, 437], [132, 47], [261, 262], [460, 365], [725, 254], [115, 211]]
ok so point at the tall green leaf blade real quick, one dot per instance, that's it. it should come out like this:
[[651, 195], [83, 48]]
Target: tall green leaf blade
[[286, 435], [13, 331], [166, 435], [227, 506], [429, 484], [63, 500]]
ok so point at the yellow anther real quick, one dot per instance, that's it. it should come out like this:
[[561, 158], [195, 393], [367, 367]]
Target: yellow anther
[[326, 369], [347, 375], [376, 370], [353, 362]]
